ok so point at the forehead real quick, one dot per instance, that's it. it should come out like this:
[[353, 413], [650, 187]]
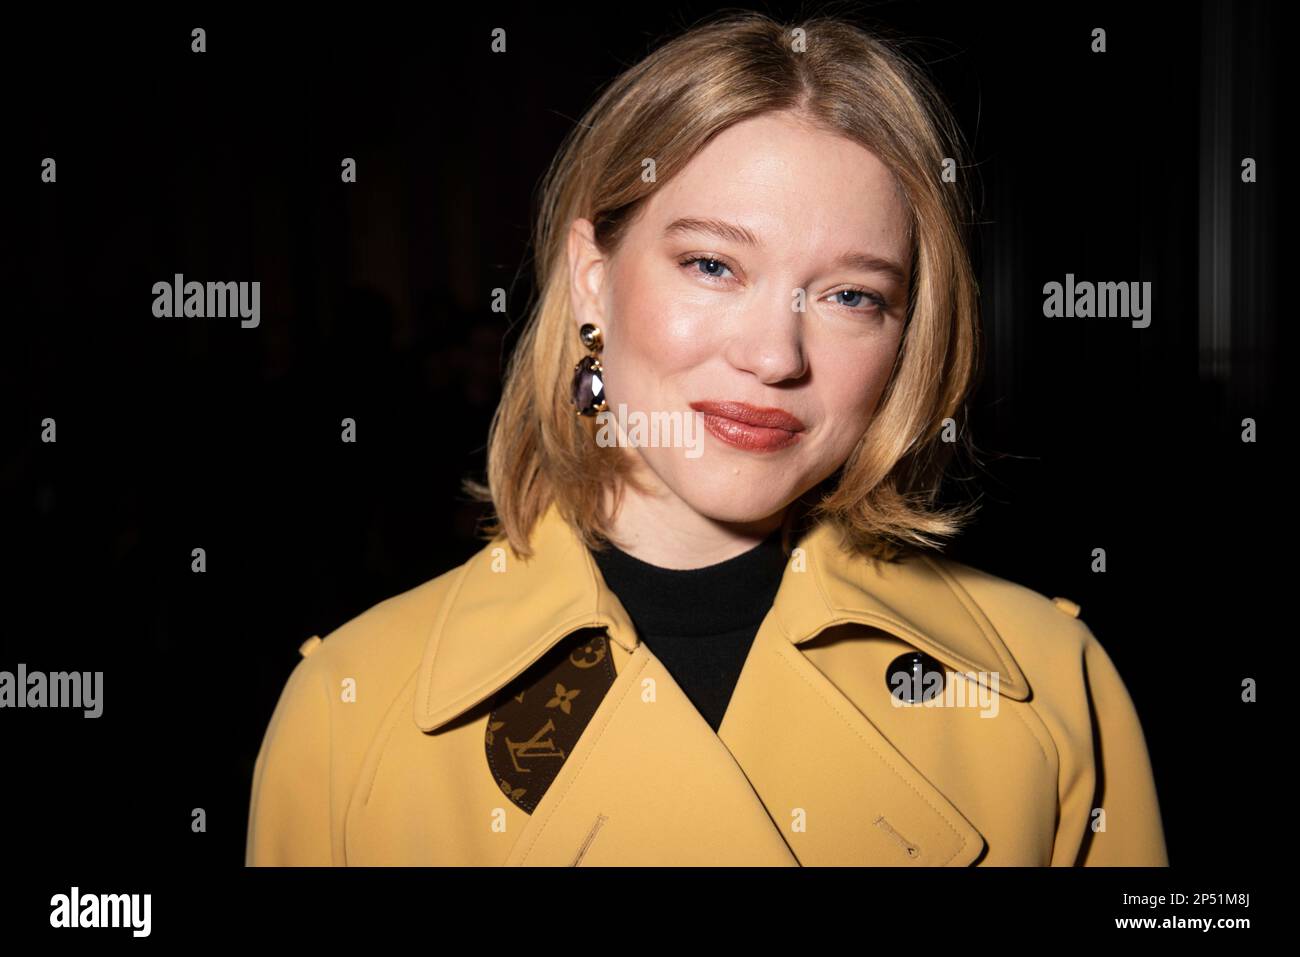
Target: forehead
[[792, 185]]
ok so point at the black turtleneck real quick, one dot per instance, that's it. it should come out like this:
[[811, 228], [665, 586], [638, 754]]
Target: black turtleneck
[[700, 622]]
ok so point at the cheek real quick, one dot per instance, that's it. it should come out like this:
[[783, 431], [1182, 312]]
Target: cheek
[[654, 326], [853, 381]]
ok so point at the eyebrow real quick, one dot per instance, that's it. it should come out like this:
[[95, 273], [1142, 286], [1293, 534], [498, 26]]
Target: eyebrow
[[739, 234]]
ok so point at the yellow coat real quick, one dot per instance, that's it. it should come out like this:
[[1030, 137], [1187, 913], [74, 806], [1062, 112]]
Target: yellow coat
[[376, 752]]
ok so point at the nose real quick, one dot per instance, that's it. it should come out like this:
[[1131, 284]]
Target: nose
[[768, 342]]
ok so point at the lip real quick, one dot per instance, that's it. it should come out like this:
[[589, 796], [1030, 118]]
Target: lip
[[749, 427]]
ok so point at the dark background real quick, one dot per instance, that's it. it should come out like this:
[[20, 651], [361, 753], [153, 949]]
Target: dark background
[[180, 433]]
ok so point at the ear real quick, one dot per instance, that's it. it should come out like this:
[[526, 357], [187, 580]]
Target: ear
[[586, 264]]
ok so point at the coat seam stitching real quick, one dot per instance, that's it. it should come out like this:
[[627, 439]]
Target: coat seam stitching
[[329, 714], [396, 714], [393, 716], [880, 757], [577, 771]]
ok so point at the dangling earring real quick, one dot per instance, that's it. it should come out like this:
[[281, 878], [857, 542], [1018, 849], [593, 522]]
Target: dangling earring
[[588, 391]]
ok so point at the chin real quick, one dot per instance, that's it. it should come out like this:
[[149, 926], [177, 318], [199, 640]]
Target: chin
[[735, 503]]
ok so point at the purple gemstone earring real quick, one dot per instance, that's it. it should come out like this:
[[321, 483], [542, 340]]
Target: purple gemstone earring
[[588, 391]]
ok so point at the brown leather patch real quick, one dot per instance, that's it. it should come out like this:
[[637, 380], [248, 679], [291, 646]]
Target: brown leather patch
[[544, 711]]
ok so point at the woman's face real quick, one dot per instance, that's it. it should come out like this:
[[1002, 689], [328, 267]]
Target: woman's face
[[770, 274]]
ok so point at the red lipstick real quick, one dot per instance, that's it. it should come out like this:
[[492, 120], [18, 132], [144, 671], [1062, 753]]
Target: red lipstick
[[749, 427]]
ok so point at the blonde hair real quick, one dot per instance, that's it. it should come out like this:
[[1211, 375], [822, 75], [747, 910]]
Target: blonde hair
[[722, 71]]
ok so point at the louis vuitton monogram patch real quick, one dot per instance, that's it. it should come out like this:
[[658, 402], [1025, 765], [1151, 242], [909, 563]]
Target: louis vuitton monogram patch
[[543, 712]]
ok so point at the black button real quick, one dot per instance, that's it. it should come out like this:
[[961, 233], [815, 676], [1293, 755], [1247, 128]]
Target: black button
[[914, 677]]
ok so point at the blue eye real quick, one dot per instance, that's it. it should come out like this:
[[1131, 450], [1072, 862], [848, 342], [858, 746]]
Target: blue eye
[[871, 297], [706, 261], [712, 266]]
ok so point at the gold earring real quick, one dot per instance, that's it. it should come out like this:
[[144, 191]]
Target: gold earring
[[588, 390]]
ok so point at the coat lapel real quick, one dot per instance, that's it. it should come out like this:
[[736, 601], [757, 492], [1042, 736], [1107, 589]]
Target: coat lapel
[[505, 612], [797, 773], [650, 784], [840, 791]]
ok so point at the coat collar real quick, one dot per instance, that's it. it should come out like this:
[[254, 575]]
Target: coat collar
[[504, 612]]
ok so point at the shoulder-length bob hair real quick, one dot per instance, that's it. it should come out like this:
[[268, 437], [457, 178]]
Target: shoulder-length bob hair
[[724, 70]]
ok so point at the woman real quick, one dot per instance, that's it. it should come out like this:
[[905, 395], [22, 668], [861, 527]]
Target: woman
[[728, 638]]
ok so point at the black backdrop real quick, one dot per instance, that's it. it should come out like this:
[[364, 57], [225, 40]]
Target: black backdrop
[[174, 434]]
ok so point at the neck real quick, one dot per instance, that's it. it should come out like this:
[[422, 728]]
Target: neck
[[663, 530]]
